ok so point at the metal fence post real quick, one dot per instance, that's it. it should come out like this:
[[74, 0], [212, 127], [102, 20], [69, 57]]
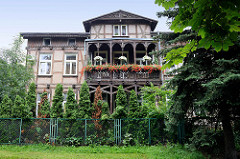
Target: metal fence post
[[149, 130], [20, 133], [120, 130], [85, 134]]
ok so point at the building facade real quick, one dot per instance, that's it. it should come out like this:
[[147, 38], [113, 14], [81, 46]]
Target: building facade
[[63, 57]]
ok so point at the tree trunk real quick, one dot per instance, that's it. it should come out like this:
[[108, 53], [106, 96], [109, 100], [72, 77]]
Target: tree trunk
[[230, 151]]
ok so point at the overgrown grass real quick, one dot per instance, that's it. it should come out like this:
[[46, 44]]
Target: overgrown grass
[[97, 152]]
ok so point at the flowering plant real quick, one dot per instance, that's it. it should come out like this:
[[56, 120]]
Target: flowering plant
[[122, 58], [146, 58], [136, 68], [98, 58], [124, 68], [89, 68], [116, 68], [113, 68]]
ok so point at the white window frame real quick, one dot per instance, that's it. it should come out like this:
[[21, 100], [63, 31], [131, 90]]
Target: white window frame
[[114, 33], [44, 61], [46, 39], [70, 61], [74, 43], [126, 30]]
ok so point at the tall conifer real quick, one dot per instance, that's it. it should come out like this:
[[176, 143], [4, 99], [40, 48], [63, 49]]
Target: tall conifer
[[71, 105], [84, 102], [5, 107], [31, 98], [121, 104], [57, 107]]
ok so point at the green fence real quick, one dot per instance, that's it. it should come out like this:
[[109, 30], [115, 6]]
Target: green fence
[[81, 131]]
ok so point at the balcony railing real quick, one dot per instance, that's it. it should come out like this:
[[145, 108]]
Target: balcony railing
[[122, 75]]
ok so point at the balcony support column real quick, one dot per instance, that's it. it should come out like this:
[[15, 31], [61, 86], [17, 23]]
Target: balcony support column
[[110, 49], [134, 53], [111, 99]]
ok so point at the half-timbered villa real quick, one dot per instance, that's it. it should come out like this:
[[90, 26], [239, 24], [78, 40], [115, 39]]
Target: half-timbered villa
[[113, 50]]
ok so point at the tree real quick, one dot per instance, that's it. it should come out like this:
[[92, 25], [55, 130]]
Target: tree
[[57, 107], [97, 104], [97, 108], [217, 25], [84, 102], [6, 107], [44, 106], [20, 109], [14, 76], [31, 98], [71, 105], [134, 110], [121, 104], [216, 22]]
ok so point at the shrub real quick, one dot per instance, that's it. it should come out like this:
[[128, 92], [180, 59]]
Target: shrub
[[56, 109], [71, 105], [84, 102], [5, 107], [121, 104], [31, 98]]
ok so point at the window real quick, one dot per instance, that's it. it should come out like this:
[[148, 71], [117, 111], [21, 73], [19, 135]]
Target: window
[[45, 64], [71, 42], [70, 64], [47, 42], [124, 30], [116, 30]]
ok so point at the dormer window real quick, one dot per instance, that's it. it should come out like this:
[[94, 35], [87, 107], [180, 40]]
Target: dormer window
[[123, 30], [71, 42], [116, 31], [47, 42], [119, 30]]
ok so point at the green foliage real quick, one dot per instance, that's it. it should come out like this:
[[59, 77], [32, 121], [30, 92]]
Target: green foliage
[[207, 140], [84, 102], [31, 98], [155, 100], [121, 104], [44, 106], [20, 109], [57, 107], [71, 105], [105, 111], [134, 108], [14, 76], [6, 107], [215, 22]]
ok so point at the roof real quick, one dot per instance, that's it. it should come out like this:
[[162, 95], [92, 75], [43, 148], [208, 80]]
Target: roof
[[120, 15], [27, 35]]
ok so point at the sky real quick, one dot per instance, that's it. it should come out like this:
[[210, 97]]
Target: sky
[[64, 15]]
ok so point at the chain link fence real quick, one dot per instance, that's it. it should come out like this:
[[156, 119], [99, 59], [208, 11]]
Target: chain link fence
[[80, 132]]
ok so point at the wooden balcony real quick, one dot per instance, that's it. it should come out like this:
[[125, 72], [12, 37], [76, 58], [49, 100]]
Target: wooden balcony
[[122, 76]]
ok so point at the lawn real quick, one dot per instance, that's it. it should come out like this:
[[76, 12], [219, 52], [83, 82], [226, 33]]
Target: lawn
[[96, 152]]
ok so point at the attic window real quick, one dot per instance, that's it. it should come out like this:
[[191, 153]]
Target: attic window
[[116, 30], [47, 42], [124, 30], [71, 42]]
